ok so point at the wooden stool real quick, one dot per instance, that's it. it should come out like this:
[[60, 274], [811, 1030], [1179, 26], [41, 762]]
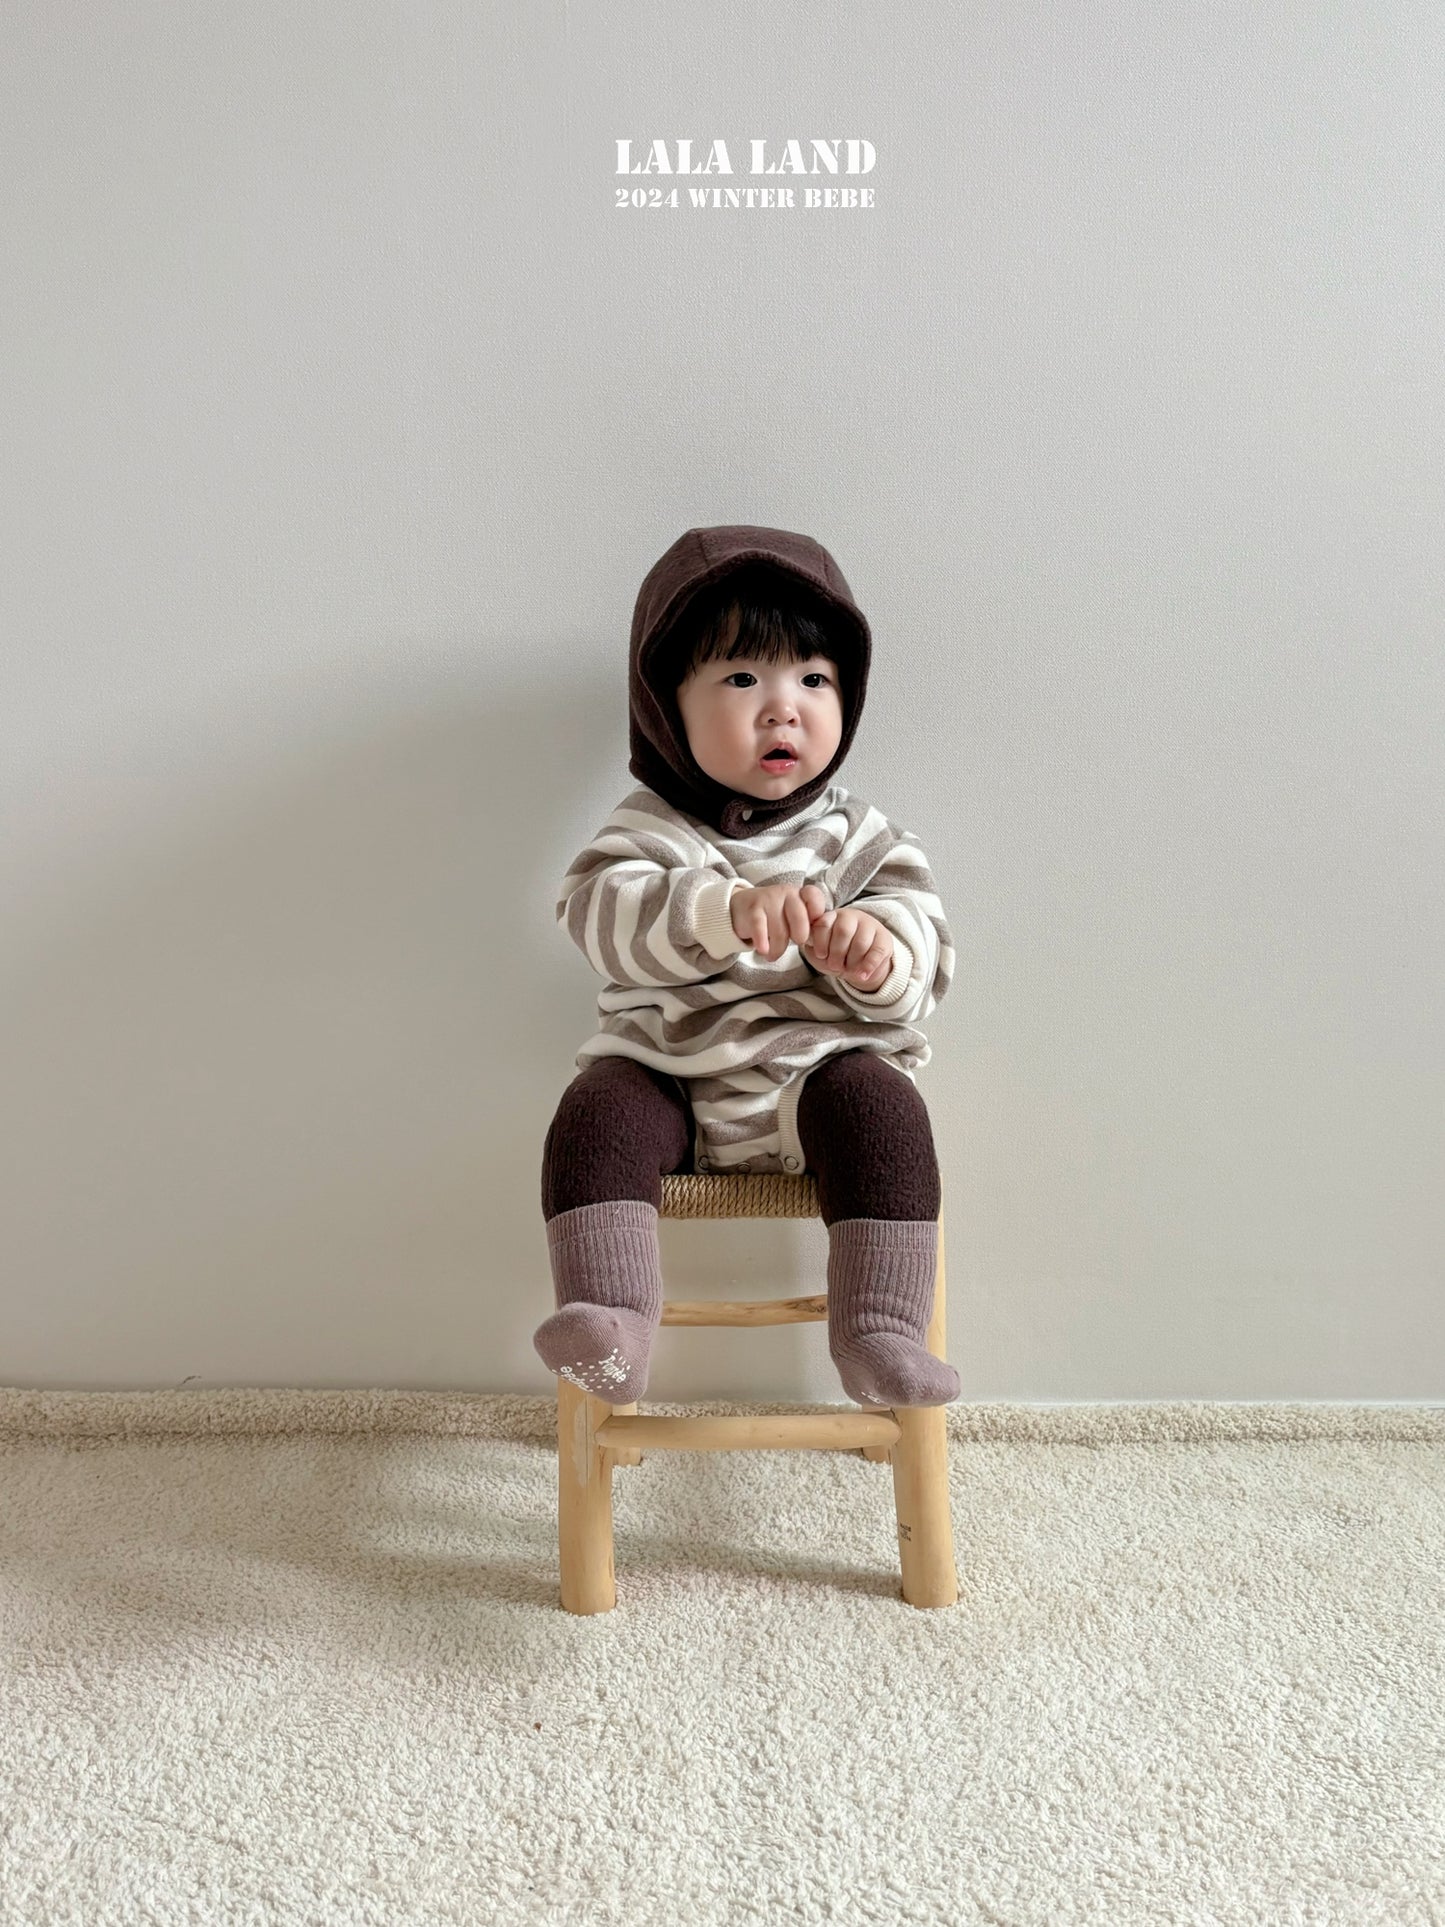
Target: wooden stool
[[593, 1436]]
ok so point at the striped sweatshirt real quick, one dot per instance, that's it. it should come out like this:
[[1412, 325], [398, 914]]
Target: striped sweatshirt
[[648, 904]]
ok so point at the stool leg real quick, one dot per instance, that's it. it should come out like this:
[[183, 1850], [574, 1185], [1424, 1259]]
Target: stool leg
[[880, 1454], [626, 1454], [584, 1503], [920, 1482]]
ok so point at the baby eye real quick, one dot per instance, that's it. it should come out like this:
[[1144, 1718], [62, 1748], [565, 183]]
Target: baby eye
[[813, 676]]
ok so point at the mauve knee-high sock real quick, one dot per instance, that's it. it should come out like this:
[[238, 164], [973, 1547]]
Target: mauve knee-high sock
[[881, 1275], [607, 1278]]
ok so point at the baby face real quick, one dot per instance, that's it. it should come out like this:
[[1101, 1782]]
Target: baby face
[[735, 711]]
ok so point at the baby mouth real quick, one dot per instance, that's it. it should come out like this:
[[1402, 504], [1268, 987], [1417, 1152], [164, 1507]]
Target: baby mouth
[[779, 759]]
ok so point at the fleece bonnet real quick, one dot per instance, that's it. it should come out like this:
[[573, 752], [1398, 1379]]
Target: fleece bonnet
[[660, 755]]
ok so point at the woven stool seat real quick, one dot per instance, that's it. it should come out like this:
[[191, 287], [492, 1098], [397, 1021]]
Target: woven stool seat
[[593, 1436], [740, 1194]]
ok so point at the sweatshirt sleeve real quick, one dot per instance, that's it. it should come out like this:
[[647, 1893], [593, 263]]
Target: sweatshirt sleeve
[[644, 913], [890, 879]]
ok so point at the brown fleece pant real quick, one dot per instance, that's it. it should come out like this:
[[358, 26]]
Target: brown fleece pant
[[621, 1127]]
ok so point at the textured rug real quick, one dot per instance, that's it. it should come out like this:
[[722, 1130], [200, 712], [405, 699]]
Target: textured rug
[[275, 1657]]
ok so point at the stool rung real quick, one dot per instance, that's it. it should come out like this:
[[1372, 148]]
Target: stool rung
[[743, 1311], [748, 1432]]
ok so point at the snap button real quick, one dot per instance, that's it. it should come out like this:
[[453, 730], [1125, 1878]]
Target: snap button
[[704, 1164], [791, 1163]]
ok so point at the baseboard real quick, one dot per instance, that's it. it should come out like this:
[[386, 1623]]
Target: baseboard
[[267, 1412]]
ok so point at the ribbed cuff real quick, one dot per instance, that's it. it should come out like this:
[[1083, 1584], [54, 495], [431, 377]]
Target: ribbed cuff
[[881, 1274], [607, 1254], [712, 916]]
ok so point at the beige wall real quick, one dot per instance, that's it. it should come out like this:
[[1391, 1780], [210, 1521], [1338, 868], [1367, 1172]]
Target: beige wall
[[343, 414]]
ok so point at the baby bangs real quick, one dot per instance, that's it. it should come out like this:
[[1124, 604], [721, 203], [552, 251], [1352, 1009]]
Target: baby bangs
[[778, 619]]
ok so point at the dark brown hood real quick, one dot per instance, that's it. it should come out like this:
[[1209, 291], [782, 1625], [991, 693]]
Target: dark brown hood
[[660, 756]]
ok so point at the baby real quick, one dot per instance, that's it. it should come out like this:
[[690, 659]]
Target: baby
[[770, 945]]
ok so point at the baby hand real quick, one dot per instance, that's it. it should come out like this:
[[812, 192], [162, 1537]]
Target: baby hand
[[769, 918], [852, 945]]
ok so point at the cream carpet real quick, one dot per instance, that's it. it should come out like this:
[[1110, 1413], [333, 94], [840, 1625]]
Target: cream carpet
[[276, 1657]]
